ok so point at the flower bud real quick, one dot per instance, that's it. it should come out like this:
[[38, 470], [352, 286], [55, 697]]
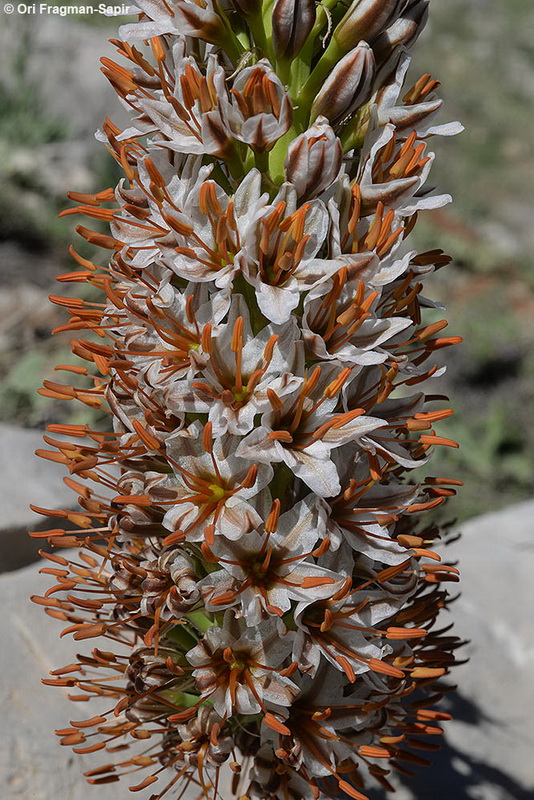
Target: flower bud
[[198, 22], [404, 32], [293, 21], [259, 111], [181, 18], [201, 744], [347, 87], [314, 160], [366, 19]]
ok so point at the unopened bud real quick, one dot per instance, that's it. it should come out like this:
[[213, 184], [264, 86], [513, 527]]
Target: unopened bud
[[293, 21], [366, 19], [404, 32], [260, 111], [314, 160], [183, 17], [193, 20], [347, 87]]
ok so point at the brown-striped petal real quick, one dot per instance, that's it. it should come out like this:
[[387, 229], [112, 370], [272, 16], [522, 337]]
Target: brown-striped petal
[[293, 21], [348, 86], [404, 31], [314, 160], [366, 19]]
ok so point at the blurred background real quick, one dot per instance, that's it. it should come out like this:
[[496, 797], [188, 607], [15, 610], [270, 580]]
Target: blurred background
[[52, 99]]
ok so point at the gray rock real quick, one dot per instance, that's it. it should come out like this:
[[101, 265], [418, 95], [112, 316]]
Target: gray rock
[[489, 745], [26, 478], [19, 304], [490, 740], [33, 766], [495, 612], [55, 168]]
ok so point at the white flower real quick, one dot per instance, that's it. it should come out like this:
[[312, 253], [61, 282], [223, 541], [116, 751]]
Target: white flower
[[364, 513], [394, 413], [170, 349], [271, 779], [220, 226], [314, 160], [348, 85], [209, 489], [171, 584], [306, 426], [322, 709], [409, 116], [401, 192], [163, 225], [280, 256], [206, 740], [232, 386], [259, 110], [341, 317], [349, 629], [264, 571], [183, 18], [237, 667], [192, 122]]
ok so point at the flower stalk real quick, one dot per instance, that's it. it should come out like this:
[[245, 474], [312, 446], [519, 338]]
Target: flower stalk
[[251, 556]]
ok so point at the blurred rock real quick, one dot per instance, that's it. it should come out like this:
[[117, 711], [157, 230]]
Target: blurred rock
[[493, 733], [24, 308], [33, 766], [490, 741], [26, 479], [55, 167]]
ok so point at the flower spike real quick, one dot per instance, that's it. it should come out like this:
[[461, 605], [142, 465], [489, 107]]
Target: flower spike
[[249, 571]]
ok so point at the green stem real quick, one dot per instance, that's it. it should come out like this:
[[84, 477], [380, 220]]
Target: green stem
[[180, 699], [218, 174], [262, 162], [326, 63], [182, 637], [200, 620], [300, 69], [244, 40], [283, 70], [278, 154], [250, 160], [255, 23], [235, 165], [229, 41], [267, 16], [353, 136]]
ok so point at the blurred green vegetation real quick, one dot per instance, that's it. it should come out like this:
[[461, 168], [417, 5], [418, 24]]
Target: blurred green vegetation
[[483, 52], [21, 120]]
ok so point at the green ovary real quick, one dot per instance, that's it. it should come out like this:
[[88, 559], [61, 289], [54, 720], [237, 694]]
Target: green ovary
[[217, 492], [240, 396]]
